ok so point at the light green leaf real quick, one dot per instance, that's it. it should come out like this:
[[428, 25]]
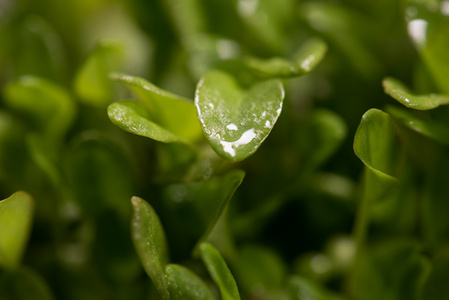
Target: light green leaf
[[183, 284], [134, 118], [16, 214], [304, 61], [435, 287], [235, 119], [427, 127], [376, 143], [302, 289], [23, 284], [92, 82], [171, 112], [48, 106], [150, 243], [219, 272], [205, 201], [402, 94]]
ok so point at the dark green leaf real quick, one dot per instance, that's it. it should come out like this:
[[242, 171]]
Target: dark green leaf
[[219, 272], [340, 25], [100, 174], [435, 286], [23, 284], [150, 243], [237, 120], [376, 143], [402, 94], [198, 206], [259, 267], [16, 214], [390, 270], [183, 284], [171, 113], [92, 82]]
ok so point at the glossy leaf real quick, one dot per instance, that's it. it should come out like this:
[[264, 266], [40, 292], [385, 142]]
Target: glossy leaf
[[427, 127], [150, 243], [219, 272], [134, 118], [402, 94], [23, 284], [172, 113], [304, 61], [183, 284], [92, 82], [198, 206], [48, 106], [16, 214], [302, 288], [236, 120], [376, 143], [435, 286]]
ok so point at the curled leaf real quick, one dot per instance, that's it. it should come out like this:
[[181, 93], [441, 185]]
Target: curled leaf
[[402, 94], [376, 143]]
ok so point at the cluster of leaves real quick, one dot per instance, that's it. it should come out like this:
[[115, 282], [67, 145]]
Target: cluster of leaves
[[240, 169]]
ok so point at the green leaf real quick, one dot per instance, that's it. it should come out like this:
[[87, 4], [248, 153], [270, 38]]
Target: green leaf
[[48, 106], [198, 206], [16, 214], [236, 120], [23, 284], [435, 287], [259, 267], [427, 127], [172, 113], [134, 118], [302, 289], [402, 94], [219, 272], [38, 50], [268, 21], [390, 270], [183, 284], [376, 143], [100, 174], [304, 61], [150, 243], [92, 82], [340, 26], [428, 27]]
